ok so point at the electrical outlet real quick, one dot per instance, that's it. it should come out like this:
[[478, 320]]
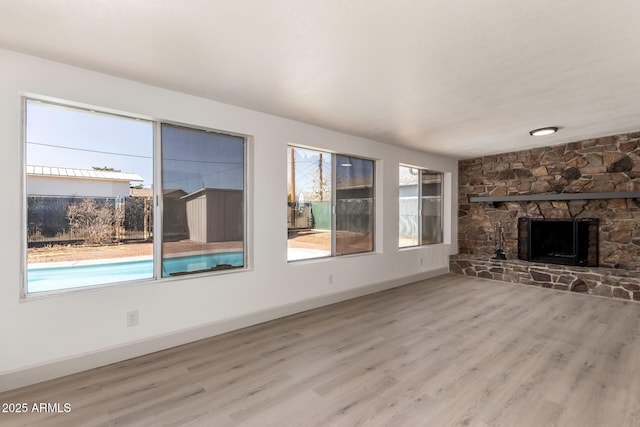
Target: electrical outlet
[[421, 261], [330, 279], [132, 318]]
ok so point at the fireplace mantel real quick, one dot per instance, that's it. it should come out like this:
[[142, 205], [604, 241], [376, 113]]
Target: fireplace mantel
[[556, 196]]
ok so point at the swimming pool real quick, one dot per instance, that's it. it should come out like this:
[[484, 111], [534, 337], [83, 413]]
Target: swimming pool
[[44, 278]]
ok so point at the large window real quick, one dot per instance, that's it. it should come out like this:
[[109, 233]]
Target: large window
[[203, 201], [420, 206], [309, 204], [354, 205], [89, 191], [92, 206], [330, 204]]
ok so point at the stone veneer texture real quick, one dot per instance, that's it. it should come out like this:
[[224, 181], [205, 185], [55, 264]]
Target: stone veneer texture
[[610, 164], [605, 282]]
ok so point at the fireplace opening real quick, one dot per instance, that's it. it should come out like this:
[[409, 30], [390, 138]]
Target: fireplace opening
[[559, 241]]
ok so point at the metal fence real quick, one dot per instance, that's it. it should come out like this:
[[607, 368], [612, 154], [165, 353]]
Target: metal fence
[[47, 221]]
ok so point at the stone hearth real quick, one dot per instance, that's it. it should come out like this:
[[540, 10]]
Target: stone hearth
[[606, 282], [602, 165]]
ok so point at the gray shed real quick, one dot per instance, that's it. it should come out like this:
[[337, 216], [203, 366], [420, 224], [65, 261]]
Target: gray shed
[[215, 215]]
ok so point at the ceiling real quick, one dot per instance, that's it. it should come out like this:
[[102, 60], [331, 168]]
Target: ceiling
[[461, 78]]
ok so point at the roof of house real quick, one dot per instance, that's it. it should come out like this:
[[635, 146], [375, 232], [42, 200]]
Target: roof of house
[[409, 178], [207, 190], [141, 192], [355, 182], [82, 173]]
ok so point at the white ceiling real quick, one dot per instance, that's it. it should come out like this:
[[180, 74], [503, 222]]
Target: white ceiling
[[462, 78]]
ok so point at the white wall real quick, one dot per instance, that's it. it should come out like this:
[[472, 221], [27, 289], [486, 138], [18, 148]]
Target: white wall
[[55, 186], [51, 336]]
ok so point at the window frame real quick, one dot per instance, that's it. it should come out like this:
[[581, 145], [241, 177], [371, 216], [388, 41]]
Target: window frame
[[419, 200], [157, 201], [374, 175], [335, 204], [158, 190]]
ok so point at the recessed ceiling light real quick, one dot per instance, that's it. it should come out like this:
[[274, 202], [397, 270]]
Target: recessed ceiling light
[[543, 131]]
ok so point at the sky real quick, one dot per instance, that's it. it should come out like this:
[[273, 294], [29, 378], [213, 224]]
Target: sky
[[307, 173], [195, 159], [66, 137], [73, 138], [349, 170]]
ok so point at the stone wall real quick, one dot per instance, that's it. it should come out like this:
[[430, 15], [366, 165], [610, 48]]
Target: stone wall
[[592, 166], [605, 282]]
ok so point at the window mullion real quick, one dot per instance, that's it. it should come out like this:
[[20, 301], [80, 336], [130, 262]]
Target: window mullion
[[157, 200], [334, 206], [420, 221]]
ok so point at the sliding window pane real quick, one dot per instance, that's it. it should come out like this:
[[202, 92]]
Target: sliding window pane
[[203, 201], [89, 188], [354, 205], [431, 207], [408, 204], [308, 204]]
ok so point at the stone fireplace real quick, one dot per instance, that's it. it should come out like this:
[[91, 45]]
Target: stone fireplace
[[558, 241], [587, 190]]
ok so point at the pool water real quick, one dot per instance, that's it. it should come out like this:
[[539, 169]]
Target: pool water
[[200, 262], [54, 278]]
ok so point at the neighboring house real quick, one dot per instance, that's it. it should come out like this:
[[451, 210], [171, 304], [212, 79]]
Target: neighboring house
[[408, 182], [51, 190], [57, 181], [141, 192]]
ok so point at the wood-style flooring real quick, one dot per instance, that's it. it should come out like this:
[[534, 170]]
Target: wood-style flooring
[[452, 350]]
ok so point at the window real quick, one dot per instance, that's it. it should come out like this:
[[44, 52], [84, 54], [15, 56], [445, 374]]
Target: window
[[203, 201], [92, 206], [309, 204], [330, 204], [409, 208], [431, 206], [354, 205], [82, 168], [420, 206]]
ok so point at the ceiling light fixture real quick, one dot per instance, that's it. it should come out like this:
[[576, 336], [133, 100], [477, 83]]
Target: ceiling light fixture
[[543, 131]]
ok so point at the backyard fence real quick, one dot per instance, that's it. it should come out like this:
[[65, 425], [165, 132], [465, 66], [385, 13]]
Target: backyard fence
[[352, 214], [299, 216], [48, 219]]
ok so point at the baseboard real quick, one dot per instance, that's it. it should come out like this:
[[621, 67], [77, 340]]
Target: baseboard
[[60, 368]]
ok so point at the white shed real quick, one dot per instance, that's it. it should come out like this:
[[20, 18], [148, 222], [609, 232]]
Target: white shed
[[56, 181]]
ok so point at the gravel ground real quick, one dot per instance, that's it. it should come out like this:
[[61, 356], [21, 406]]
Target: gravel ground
[[57, 253], [308, 239]]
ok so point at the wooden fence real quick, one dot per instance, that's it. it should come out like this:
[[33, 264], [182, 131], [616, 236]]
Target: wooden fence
[[299, 216]]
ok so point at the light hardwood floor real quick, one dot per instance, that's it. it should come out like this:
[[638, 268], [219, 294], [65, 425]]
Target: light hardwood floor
[[447, 351]]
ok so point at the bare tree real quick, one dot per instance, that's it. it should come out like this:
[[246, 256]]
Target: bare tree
[[95, 223], [321, 185]]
